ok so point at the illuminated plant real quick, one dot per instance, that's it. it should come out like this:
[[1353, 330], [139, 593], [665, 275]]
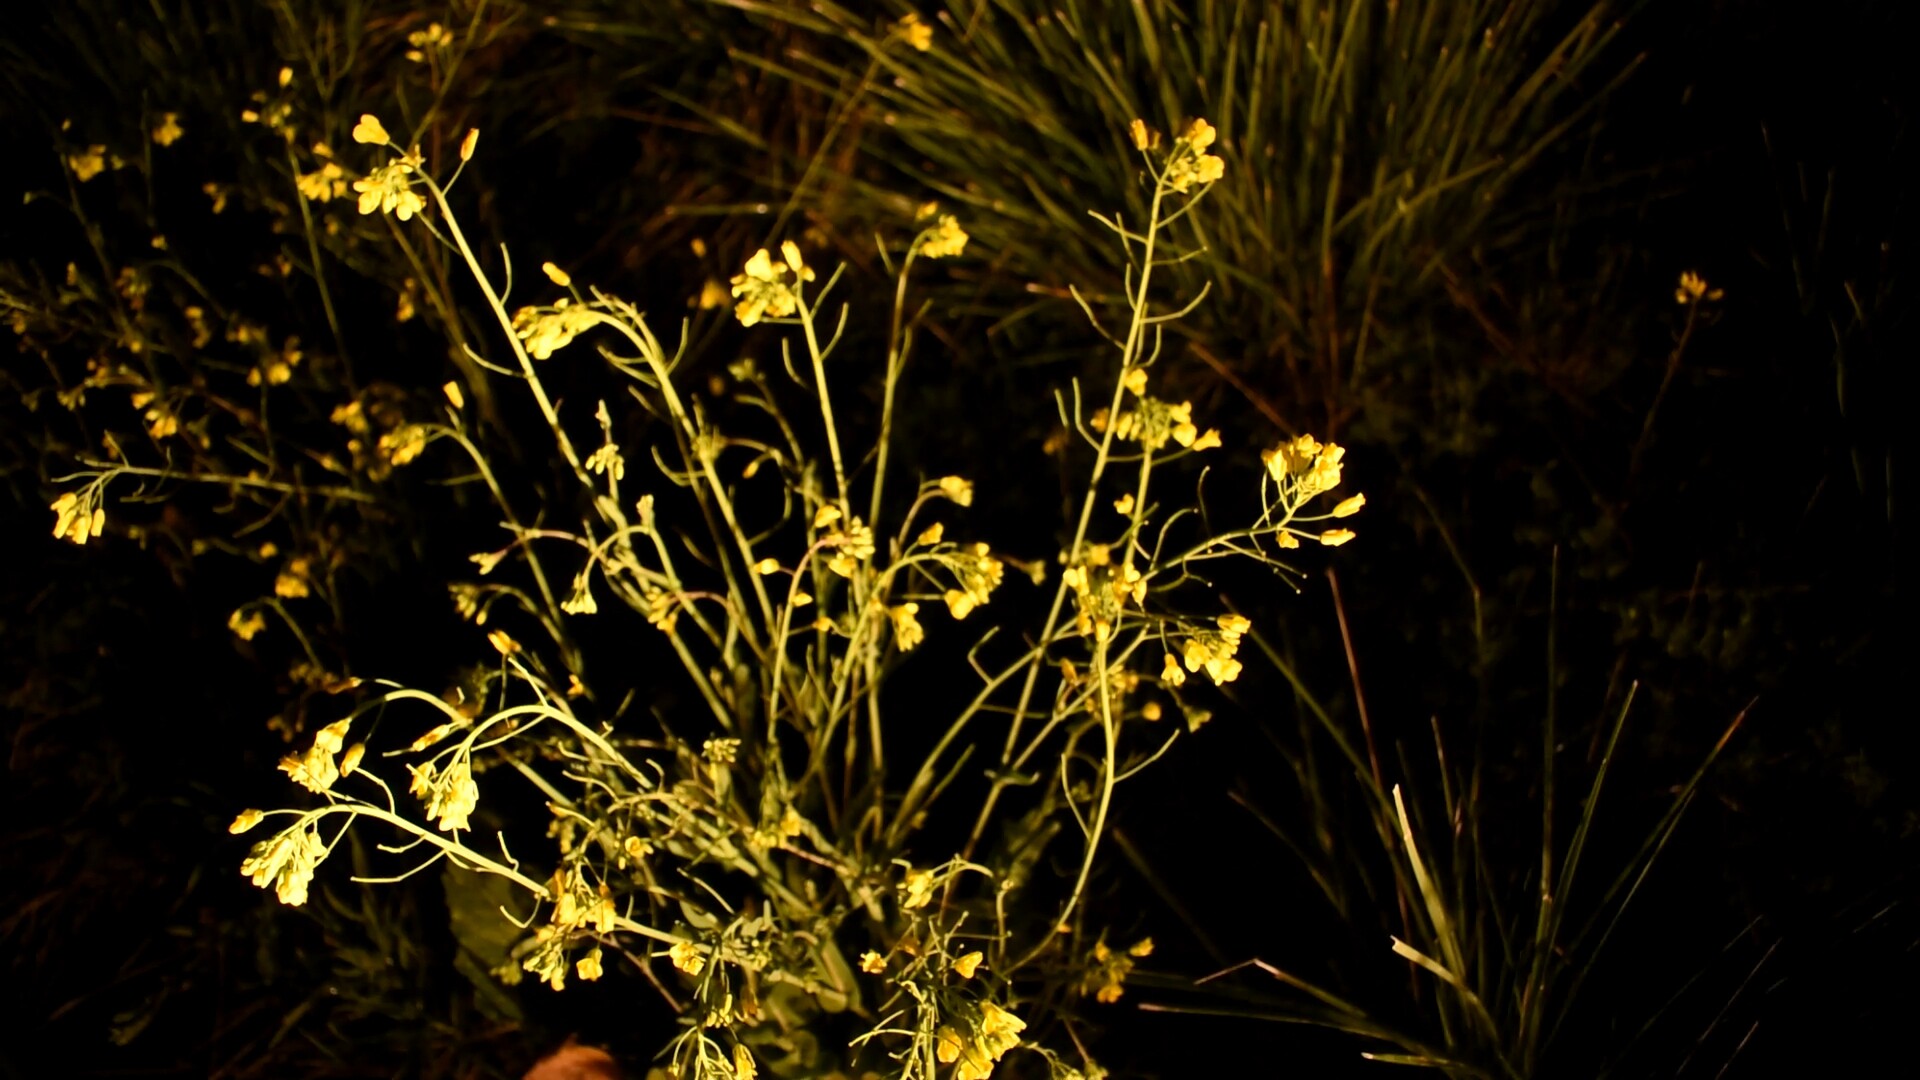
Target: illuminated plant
[[766, 841]]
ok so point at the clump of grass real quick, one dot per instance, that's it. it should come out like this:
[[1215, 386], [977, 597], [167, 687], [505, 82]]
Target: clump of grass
[[1497, 953], [1384, 147]]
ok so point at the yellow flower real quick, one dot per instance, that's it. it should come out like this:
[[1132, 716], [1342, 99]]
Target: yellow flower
[[916, 32], [945, 239], [467, 144], [1189, 163], [958, 489], [1171, 674], [872, 962], [959, 604], [73, 522], [327, 182], [589, 966], [743, 1067], [388, 190], [790, 251], [766, 566], [168, 131], [247, 820], [1124, 504], [332, 737], [999, 1030], [546, 331], [949, 1046], [454, 397], [454, 797], [907, 631], [918, 887], [245, 623], [1336, 537], [763, 288], [930, 535], [1143, 947], [88, 163], [369, 130], [712, 295], [556, 275], [313, 770], [350, 760], [1349, 506], [1693, 289], [288, 861], [966, 965], [1137, 131], [291, 583], [686, 956]]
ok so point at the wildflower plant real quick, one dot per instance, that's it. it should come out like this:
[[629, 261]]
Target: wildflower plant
[[764, 855]]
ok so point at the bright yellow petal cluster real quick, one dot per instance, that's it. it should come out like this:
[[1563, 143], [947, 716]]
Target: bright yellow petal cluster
[[945, 239], [763, 287]]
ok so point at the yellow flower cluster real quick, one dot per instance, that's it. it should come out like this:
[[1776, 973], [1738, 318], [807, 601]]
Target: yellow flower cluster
[[1190, 164], [1108, 970], [1212, 650], [853, 544], [914, 31], [450, 796], [907, 631], [918, 889], [434, 37], [315, 770], [288, 861], [577, 906], [76, 519], [547, 330], [687, 956], [1102, 590], [389, 188], [763, 288], [979, 573], [246, 623], [944, 239], [1304, 468], [995, 1032], [1153, 423], [1693, 289]]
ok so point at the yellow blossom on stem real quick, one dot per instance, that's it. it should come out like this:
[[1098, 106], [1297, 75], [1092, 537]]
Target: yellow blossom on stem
[[1336, 537], [957, 488], [589, 966], [872, 962], [687, 956], [168, 130], [1349, 506], [915, 31], [907, 631], [369, 130], [945, 239], [919, 889]]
